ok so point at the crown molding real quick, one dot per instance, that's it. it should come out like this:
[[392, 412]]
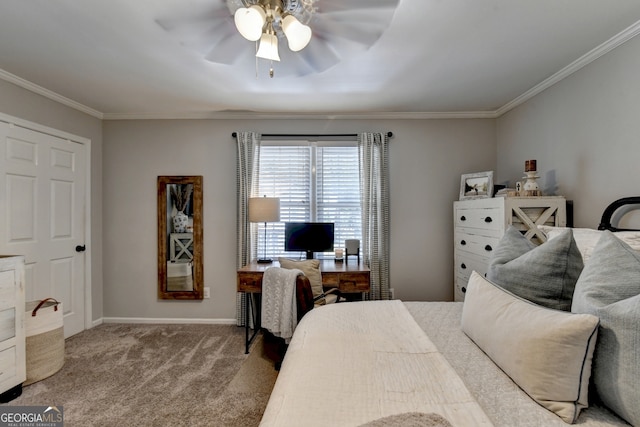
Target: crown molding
[[253, 115], [25, 84], [576, 65]]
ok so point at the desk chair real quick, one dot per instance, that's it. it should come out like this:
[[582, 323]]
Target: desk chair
[[275, 347]]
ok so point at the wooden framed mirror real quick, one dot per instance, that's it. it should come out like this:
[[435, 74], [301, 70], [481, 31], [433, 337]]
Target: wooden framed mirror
[[180, 274]]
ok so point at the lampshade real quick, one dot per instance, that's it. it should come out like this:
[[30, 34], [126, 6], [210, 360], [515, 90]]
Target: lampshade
[[249, 21], [264, 209], [298, 35], [268, 47]]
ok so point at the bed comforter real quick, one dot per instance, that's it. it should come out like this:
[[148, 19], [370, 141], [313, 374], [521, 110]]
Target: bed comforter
[[349, 364], [354, 363]]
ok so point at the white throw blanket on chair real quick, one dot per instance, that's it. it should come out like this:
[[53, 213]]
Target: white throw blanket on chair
[[279, 308]]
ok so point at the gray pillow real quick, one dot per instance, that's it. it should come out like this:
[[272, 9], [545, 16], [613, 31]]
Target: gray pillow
[[545, 274], [609, 287]]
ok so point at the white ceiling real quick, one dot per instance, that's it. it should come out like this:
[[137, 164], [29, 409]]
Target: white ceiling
[[437, 57]]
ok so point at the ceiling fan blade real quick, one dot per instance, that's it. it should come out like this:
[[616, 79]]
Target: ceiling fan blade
[[340, 30], [204, 41], [229, 49], [190, 25], [366, 29], [193, 18], [326, 6], [208, 28], [319, 55], [199, 24], [290, 67]]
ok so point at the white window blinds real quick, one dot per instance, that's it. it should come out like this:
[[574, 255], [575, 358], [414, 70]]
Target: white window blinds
[[315, 182]]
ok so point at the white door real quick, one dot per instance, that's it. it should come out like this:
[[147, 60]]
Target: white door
[[42, 216]]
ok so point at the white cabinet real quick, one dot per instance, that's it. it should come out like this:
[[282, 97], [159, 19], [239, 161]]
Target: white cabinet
[[480, 223], [12, 330]]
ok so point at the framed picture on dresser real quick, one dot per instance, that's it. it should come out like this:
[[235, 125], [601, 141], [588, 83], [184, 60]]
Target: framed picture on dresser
[[477, 185]]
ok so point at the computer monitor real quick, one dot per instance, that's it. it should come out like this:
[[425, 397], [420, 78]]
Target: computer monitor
[[309, 237]]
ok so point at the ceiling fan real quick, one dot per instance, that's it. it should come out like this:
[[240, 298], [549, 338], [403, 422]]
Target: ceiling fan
[[337, 29]]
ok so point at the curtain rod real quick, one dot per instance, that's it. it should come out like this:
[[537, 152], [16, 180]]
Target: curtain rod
[[308, 135]]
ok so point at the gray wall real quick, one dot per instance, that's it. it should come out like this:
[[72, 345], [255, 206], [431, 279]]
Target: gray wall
[[26, 105], [585, 133], [427, 158]]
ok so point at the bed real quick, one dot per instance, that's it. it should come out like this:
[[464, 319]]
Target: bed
[[394, 363]]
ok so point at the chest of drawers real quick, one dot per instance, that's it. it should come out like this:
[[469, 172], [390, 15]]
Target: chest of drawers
[[480, 223], [12, 331]]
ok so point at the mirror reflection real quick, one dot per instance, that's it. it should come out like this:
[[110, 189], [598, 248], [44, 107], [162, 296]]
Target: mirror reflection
[[180, 237]]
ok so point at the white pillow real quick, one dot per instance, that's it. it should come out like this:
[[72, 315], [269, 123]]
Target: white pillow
[[547, 352], [586, 238]]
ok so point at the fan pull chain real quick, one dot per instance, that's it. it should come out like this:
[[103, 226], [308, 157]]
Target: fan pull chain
[[271, 71], [256, 61]]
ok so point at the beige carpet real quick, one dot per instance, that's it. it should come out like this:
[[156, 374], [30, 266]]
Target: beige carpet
[[158, 375]]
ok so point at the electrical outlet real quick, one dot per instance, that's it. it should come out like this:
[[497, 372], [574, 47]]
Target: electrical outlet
[[206, 292]]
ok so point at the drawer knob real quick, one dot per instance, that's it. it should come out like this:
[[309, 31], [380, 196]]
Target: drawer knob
[[463, 266], [488, 248], [488, 219], [464, 290], [463, 242], [463, 218]]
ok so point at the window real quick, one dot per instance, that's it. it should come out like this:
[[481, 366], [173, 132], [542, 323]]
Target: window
[[315, 182]]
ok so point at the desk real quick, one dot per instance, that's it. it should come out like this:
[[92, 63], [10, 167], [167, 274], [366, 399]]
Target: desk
[[348, 277]]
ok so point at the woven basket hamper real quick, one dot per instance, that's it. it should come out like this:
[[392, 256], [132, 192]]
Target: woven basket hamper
[[45, 339]]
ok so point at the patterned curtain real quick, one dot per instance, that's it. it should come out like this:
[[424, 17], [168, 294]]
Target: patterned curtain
[[373, 150], [248, 161]]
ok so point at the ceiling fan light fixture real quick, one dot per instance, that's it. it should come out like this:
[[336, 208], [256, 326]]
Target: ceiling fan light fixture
[[268, 48], [298, 34], [250, 21]]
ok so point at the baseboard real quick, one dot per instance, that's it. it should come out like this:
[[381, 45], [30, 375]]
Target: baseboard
[[148, 320]]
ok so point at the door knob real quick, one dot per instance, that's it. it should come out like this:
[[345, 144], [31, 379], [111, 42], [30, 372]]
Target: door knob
[[81, 248]]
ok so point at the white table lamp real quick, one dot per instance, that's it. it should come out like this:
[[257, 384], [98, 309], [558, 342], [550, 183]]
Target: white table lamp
[[264, 209]]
